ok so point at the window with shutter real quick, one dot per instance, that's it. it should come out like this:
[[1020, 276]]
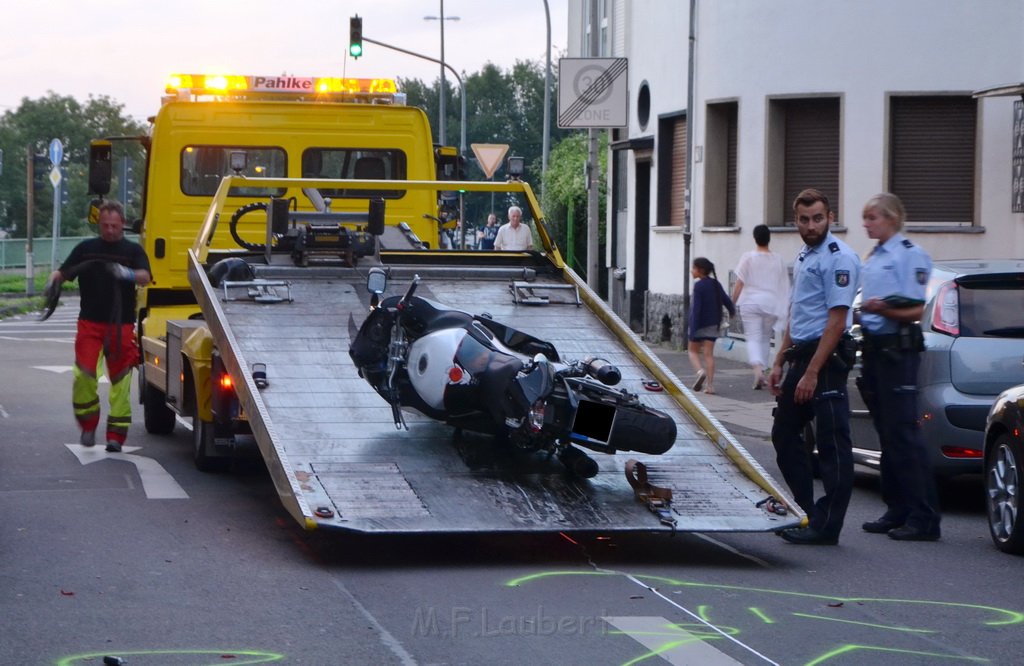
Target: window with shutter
[[932, 156], [671, 165], [720, 155], [809, 152]]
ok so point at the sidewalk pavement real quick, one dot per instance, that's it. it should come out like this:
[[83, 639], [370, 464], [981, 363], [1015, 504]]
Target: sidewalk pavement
[[742, 409]]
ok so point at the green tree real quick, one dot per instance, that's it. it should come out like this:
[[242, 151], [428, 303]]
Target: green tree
[[32, 126], [565, 194], [501, 107]]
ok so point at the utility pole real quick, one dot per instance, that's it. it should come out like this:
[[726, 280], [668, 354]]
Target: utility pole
[[593, 170]]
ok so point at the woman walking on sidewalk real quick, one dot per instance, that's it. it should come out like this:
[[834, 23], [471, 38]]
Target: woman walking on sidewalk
[[705, 321], [762, 296]]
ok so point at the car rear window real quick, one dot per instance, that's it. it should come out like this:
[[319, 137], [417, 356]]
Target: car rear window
[[992, 308]]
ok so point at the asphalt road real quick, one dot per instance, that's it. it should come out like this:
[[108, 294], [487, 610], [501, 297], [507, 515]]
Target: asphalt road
[[139, 555]]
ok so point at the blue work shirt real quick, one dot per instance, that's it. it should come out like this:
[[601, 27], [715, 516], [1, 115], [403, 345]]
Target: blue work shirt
[[824, 277], [896, 267]]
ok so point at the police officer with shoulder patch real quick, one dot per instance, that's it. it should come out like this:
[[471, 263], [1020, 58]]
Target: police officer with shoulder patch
[[819, 353], [893, 294]]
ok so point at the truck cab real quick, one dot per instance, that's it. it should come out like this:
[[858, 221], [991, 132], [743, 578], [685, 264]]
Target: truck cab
[[283, 127]]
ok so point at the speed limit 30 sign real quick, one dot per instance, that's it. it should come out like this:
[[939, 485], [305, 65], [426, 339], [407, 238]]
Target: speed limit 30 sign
[[592, 92]]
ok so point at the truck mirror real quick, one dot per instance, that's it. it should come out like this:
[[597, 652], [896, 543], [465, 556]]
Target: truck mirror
[[375, 217], [376, 280], [100, 167]]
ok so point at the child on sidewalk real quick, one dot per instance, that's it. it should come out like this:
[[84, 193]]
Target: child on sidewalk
[[706, 321]]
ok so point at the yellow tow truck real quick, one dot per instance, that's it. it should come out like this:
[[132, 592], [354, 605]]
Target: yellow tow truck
[[267, 201]]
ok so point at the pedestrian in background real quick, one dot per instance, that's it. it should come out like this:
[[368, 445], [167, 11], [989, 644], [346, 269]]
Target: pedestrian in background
[[486, 235], [705, 323], [893, 287], [761, 295], [108, 268], [819, 354], [514, 236]]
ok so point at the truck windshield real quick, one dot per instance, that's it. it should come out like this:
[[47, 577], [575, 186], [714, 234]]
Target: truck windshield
[[357, 164], [203, 167]]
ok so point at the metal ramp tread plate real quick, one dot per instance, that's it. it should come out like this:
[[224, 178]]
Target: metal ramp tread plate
[[337, 438]]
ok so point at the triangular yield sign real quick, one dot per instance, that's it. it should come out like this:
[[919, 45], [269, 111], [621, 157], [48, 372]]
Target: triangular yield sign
[[489, 156]]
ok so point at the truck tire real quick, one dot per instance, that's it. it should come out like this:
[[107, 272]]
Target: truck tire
[[202, 444], [159, 418]]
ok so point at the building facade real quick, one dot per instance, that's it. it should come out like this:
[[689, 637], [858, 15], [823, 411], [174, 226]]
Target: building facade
[[853, 98]]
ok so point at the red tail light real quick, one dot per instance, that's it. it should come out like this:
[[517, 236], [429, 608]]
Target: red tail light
[[226, 383], [960, 452], [946, 313]]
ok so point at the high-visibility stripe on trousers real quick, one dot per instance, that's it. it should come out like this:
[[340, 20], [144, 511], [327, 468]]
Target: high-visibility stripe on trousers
[[115, 344]]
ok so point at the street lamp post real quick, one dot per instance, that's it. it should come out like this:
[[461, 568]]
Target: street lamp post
[[547, 105], [441, 114]]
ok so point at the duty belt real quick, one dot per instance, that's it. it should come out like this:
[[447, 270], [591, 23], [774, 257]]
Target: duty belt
[[883, 342], [908, 339]]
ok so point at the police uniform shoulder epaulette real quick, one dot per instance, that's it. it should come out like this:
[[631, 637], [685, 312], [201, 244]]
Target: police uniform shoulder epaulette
[[833, 247], [907, 243]]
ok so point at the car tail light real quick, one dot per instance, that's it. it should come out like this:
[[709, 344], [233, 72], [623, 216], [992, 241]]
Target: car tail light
[[960, 452], [946, 313]]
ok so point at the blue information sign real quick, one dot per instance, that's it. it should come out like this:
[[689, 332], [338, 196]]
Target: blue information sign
[[56, 152]]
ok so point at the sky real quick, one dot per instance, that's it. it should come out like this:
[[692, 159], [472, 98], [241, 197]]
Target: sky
[[125, 49]]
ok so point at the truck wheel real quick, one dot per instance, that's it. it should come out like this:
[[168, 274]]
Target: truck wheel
[[202, 444], [1003, 474], [159, 418]]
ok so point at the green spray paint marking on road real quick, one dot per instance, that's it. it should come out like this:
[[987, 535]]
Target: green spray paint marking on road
[[846, 649], [243, 657], [993, 616], [1007, 617], [887, 627]]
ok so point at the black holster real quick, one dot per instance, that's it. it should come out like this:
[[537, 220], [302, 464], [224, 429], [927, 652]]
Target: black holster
[[841, 359]]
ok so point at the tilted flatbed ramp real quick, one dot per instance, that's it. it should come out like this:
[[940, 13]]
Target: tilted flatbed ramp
[[338, 461]]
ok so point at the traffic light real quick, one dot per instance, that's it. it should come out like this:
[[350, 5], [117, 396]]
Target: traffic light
[[355, 36], [40, 167]]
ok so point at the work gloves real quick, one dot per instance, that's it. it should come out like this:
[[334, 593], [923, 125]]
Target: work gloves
[[121, 272]]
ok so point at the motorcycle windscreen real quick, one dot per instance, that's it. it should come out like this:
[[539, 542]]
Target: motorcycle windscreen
[[593, 423]]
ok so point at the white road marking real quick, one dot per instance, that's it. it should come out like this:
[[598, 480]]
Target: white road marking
[[34, 339], [61, 369], [724, 546], [657, 633], [3, 412], [699, 620], [156, 481]]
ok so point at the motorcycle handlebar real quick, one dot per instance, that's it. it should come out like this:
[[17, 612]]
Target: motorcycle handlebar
[[409, 292]]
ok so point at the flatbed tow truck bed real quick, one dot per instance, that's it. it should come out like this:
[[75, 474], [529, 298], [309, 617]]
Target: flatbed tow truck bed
[[338, 461]]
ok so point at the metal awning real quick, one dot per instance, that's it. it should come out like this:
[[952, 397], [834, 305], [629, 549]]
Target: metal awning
[[1007, 90]]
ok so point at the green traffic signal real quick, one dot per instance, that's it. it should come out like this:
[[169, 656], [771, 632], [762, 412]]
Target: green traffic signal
[[355, 36]]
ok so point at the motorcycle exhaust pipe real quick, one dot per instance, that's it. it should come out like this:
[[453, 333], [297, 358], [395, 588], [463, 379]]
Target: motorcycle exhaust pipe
[[603, 371]]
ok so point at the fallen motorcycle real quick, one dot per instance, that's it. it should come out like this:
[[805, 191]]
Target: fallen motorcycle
[[482, 376]]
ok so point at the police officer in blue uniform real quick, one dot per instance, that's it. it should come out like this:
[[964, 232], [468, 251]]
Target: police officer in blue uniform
[[894, 280], [819, 353]]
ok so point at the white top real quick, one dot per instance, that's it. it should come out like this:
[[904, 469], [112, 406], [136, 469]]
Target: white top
[[515, 240], [765, 282]]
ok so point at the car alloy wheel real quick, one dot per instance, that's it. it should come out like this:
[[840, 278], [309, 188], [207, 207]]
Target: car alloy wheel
[[1002, 484]]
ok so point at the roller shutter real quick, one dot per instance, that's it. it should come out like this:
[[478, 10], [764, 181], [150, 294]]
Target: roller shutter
[[932, 148]]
